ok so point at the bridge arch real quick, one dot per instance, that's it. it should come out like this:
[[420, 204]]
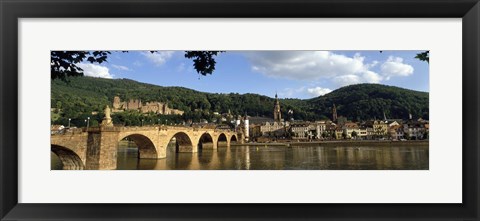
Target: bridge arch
[[233, 138], [70, 160], [206, 141], [183, 142], [223, 140], [146, 147]]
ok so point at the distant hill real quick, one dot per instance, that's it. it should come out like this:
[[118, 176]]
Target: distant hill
[[82, 95], [370, 101]]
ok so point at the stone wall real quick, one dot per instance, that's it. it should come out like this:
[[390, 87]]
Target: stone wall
[[108, 150], [75, 142], [134, 104], [93, 151]]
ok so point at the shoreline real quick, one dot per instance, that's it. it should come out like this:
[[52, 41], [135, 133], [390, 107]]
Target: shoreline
[[338, 142]]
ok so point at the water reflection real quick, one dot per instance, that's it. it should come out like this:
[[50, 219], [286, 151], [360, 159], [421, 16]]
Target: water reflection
[[55, 162], [283, 158]]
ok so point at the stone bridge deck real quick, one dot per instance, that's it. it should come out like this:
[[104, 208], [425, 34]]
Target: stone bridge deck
[[97, 147]]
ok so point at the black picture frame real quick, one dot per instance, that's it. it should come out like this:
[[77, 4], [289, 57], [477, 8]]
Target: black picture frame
[[12, 10]]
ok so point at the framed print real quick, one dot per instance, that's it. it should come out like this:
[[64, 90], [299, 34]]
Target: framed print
[[299, 110]]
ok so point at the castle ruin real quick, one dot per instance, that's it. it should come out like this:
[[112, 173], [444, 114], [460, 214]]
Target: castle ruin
[[148, 107]]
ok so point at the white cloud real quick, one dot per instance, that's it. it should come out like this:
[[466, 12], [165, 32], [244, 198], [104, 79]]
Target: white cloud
[[314, 65], [94, 70], [121, 67], [371, 77], [305, 65], [345, 80], [365, 77], [291, 92], [158, 58], [318, 91], [394, 67], [342, 70]]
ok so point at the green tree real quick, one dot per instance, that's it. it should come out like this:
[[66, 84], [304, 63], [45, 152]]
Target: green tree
[[203, 61], [83, 95], [59, 105], [334, 135], [63, 64], [354, 134], [423, 56], [324, 134], [425, 135], [292, 134]]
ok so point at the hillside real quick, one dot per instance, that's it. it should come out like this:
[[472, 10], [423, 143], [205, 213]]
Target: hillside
[[370, 101], [82, 95]]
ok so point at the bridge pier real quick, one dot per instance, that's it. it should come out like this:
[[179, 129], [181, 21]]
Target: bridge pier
[[102, 150], [185, 149], [209, 146], [223, 143]]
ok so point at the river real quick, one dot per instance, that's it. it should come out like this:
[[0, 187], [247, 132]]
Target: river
[[294, 157]]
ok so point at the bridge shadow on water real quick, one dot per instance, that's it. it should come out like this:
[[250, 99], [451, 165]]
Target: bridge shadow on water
[[205, 158]]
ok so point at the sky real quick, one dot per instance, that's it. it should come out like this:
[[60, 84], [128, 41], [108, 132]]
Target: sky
[[291, 74]]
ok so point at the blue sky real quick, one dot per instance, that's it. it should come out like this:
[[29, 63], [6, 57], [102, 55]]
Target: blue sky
[[293, 74]]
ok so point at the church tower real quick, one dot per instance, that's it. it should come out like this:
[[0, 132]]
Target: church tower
[[334, 113], [277, 114]]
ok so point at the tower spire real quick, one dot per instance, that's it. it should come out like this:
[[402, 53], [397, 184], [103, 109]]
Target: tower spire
[[277, 115]]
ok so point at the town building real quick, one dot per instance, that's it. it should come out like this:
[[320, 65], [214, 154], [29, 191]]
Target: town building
[[351, 130], [416, 130], [299, 131], [380, 128], [274, 129], [255, 131], [267, 127], [244, 126], [320, 128], [396, 132]]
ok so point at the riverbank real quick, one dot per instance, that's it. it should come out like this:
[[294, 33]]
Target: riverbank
[[342, 142]]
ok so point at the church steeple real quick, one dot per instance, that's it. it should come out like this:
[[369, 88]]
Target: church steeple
[[277, 114]]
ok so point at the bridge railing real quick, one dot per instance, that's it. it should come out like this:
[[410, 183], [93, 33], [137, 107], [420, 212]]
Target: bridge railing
[[224, 130], [67, 131], [139, 128], [124, 128]]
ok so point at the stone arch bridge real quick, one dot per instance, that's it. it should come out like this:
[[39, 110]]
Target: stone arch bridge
[[96, 149]]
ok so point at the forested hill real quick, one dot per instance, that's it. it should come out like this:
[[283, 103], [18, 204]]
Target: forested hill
[[82, 95], [370, 101]]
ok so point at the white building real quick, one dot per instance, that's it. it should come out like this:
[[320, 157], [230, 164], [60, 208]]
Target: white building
[[246, 127]]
